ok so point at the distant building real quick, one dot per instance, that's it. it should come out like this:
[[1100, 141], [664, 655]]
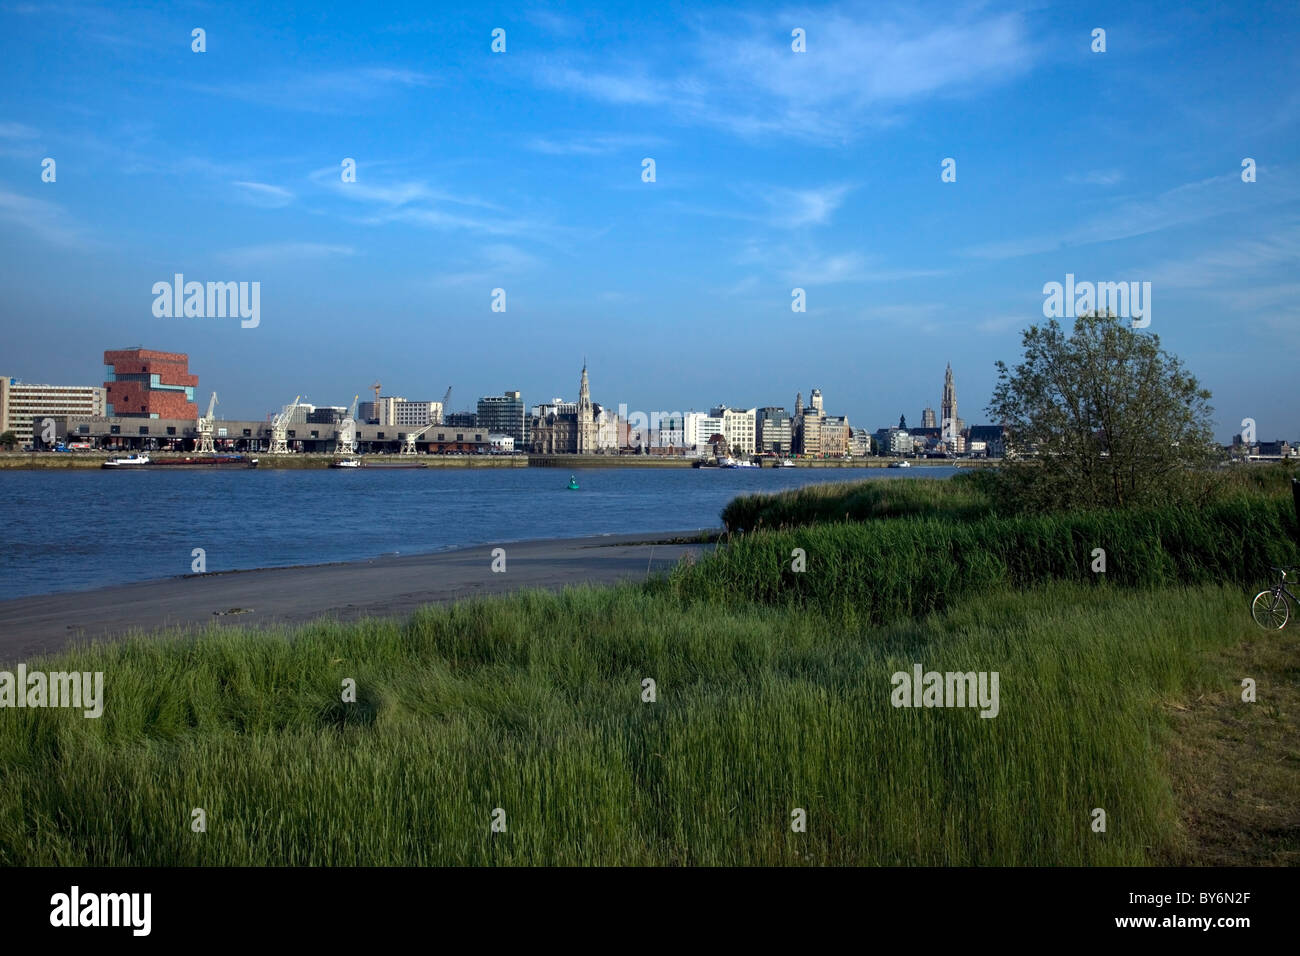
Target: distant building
[[738, 427], [927, 418], [396, 411], [607, 430], [949, 422], [565, 432], [669, 435], [505, 415], [143, 383], [413, 414], [460, 420], [990, 438], [20, 404], [699, 428], [326, 415], [894, 441], [501, 444], [859, 443], [772, 431], [835, 434]]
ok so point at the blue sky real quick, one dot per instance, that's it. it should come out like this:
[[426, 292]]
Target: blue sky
[[774, 170]]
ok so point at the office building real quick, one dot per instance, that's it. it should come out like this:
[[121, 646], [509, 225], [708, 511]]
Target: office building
[[20, 404], [504, 415]]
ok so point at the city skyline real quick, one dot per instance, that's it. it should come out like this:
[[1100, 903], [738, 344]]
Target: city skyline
[[775, 171]]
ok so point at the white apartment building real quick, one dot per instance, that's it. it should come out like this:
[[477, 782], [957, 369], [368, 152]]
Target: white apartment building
[[414, 414], [20, 403], [698, 428]]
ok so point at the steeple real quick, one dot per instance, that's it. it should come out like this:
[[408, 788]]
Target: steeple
[[949, 406], [584, 390]]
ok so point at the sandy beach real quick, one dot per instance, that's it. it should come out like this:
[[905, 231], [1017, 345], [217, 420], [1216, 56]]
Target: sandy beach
[[392, 585]]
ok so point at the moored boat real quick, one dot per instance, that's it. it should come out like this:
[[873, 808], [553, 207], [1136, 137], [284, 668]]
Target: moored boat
[[132, 461]]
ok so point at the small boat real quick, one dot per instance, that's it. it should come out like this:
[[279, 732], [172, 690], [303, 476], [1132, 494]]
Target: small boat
[[573, 483], [129, 462], [900, 464], [345, 463], [788, 463]]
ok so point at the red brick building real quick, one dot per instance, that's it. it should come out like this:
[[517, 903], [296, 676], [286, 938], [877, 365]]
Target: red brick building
[[142, 383]]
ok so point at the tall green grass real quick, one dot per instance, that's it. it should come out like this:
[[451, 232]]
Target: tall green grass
[[532, 704], [961, 498], [885, 570]]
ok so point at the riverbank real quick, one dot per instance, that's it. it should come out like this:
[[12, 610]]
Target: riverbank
[[688, 718], [344, 591], [92, 460]]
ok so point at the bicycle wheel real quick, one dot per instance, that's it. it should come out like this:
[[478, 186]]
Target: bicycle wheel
[[1270, 610]]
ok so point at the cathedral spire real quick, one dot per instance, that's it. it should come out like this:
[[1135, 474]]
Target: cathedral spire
[[584, 390]]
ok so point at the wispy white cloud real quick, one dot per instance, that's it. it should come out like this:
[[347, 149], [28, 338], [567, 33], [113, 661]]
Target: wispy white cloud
[[264, 194], [16, 131], [593, 145], [859, 70], [327, 91], [1096, 177], [805, 265], [490, 265], [45, 220], [274, 253], [1128, 218], [804, 207]]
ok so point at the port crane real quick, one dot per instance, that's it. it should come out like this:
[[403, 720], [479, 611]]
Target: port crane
[[280, 428], [446, 404], [347, 444], [408, 442], [206, 447]]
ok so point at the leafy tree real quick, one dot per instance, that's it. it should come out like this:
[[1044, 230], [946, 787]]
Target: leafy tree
[[1102, 417], [9, 439]]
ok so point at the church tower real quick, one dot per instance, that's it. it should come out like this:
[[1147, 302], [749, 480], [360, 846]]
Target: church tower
[[949, 406], [586, 423]]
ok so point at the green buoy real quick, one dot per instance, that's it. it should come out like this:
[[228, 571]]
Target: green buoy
[[573, 483]]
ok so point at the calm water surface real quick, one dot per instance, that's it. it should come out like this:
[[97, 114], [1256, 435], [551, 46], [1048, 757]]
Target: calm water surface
[[71, 530]]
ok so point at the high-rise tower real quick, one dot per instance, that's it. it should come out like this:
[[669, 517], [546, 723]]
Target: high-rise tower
[[586, 423], [949, 406]]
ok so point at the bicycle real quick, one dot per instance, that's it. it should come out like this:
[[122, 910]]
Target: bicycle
[[1270, 608]]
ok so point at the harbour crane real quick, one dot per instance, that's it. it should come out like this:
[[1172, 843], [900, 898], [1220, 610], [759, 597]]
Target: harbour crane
[[206, 447], [446, 403], [347, 444], [280, 428], [408, 442]]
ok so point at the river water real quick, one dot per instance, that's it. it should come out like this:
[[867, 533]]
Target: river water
[[73, 530]]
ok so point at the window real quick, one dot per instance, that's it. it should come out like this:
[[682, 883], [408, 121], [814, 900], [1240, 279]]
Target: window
[[248, 432], [171, 429], [460, 438], [83, 429], [379, 434], [292, 433], [315, 434], [115, 429], [144, 429]]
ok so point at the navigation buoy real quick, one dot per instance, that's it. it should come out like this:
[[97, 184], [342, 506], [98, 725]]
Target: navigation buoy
[[573, 483]]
